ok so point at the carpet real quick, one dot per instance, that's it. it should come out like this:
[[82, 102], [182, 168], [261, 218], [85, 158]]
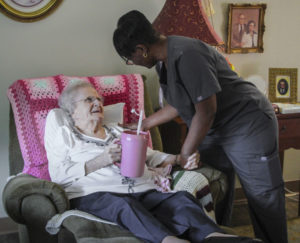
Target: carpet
[[293, 230], [241, 222]]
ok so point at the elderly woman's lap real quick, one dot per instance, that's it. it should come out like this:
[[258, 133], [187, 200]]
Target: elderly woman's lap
[[150, 215]]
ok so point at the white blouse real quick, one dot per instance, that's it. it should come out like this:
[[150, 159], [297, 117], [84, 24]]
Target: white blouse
[[67, 155], [249, 41]]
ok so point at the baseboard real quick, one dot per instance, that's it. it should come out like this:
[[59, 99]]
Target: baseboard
[[290, 185], [7, 226]]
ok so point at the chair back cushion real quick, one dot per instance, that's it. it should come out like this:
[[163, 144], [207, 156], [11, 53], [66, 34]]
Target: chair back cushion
[[32, 99]]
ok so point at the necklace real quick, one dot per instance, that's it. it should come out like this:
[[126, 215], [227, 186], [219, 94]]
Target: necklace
[[111, 135]]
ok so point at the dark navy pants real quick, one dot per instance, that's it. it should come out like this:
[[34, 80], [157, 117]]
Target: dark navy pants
[[254, 156], [151, 215]]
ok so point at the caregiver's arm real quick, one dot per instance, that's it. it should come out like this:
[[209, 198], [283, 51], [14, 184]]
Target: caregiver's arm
[[164, 115], [202, 121]]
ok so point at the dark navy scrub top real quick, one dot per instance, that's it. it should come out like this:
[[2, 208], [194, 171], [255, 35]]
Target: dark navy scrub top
[[196, 71]]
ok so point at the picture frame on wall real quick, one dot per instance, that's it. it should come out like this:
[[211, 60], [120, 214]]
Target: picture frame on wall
[[283, 85], [245, 28], [28, 10]]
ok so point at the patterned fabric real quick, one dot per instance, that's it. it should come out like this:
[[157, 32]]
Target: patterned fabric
[[196, 184], [162, 178], [32, 99], [186, 18]]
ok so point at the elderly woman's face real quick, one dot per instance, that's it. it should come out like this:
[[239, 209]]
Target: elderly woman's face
[[88, 105]]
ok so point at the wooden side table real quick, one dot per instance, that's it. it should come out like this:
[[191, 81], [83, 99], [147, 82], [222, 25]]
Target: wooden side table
[[289, 133], [289, 136], [173, 134]]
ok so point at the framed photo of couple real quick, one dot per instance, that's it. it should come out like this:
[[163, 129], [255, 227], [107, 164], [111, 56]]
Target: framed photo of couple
[[283, 85], [245, 28]]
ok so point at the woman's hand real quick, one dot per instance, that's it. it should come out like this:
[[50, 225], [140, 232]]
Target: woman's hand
[[111, 154], [192, 162], [169, 160]]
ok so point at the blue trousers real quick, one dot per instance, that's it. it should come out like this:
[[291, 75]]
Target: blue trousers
[[151, 215], [253, 155]]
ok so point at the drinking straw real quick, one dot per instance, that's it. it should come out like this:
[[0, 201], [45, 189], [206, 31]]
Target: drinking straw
[[133, 111], [139, 123]]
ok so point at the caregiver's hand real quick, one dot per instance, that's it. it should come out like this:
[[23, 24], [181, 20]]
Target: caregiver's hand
[[192, 161], [134, 126], [130, 126]]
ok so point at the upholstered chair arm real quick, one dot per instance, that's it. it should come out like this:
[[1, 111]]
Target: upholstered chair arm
[[30, 200], [86, 231]]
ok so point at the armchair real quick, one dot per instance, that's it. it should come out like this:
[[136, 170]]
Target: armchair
[[30, 198]]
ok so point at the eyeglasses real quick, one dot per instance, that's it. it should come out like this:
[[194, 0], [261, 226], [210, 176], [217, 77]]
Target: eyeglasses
[[128, 61], [90, 99]]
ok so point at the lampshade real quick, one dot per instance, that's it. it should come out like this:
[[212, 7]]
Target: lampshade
[[186, 18]]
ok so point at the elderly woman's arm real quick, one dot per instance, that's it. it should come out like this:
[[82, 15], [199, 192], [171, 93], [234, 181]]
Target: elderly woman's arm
[[160, 159], [57, 141], [111, 153]]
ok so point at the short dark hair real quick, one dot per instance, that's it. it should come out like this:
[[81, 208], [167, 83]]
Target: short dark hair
[[133, 28], [248, 24], [251, 22]]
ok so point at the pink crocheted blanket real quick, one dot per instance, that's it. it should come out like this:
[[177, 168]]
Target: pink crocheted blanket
[[32, 99]]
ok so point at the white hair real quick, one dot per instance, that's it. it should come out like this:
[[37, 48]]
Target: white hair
[[66, 99]]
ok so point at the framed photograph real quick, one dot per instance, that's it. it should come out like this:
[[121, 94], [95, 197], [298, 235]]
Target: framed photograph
[[245, 28], [28, 10], [283, 85]]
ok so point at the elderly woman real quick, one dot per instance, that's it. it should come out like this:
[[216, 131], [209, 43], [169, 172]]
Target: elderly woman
[[81, 153]]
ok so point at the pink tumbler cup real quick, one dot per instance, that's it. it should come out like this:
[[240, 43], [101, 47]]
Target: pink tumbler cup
[[134, 149]]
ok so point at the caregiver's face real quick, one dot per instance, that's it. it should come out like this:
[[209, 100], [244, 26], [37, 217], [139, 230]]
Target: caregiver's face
[[141, 57], [88, 105]]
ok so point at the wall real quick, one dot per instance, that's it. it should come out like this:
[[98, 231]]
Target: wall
[[77, 40]]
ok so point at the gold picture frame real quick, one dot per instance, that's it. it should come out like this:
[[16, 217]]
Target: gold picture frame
[[28, 11], [283, 85], [245, 28]]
